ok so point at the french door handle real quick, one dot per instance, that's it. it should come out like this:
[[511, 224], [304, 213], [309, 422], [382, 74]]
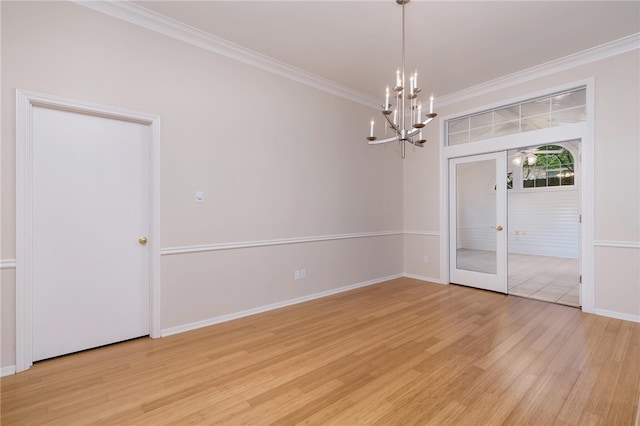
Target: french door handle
[[499, 228]]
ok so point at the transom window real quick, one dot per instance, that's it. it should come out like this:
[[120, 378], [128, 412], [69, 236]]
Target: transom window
[[548, 111]]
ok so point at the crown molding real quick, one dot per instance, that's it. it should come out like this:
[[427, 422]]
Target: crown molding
[[616, 47], [159, 23], [154, 21]]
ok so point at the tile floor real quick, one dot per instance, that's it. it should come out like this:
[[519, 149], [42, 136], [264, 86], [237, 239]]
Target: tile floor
[[551, 279]]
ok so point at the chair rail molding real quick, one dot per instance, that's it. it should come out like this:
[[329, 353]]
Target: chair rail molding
[[617, 244], [274, 242], [7, 264]]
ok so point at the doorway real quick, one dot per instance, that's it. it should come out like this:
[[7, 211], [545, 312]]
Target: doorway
[[515, 222], [544, 222], [561, 113], [87, 226]]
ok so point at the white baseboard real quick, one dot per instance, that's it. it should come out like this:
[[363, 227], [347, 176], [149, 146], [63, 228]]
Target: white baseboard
[[8, 370], [224, 318], [423, 278], [617, 315]]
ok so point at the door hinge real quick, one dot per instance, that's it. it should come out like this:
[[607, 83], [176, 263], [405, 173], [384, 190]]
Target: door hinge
[[580, 218], [580, 279]]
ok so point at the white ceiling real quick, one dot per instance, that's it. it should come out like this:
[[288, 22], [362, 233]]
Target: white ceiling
[[453, 44]]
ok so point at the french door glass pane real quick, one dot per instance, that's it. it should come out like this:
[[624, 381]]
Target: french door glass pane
[[476, 216]]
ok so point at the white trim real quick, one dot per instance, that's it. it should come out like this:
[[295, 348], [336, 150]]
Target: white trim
[[159, 23], [422, 278], [155, 195], [8, 370], [517, 140], [25, 101], [617, 315], [427, 233], [8, 264], [617, 244], [276, 242], [593, 54], [444, 204], [587, 203], [224, 318]]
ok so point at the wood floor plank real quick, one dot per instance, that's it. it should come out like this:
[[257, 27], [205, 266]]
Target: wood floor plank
[[400, 352]]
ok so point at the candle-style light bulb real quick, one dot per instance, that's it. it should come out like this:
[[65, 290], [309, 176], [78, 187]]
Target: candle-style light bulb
[[395, 116], [411, 84], [398, 81], [431, 105], [372, 122], [419, 116], [415, 79], [386, 99]]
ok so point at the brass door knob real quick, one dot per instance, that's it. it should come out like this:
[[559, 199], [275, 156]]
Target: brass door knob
[[142, 240], [499, 228]]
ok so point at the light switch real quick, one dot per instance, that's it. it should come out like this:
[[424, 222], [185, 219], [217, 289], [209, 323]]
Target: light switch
[[199, 197]]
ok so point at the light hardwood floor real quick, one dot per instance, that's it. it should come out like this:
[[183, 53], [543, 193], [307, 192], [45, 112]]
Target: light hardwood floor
[[401, 352]]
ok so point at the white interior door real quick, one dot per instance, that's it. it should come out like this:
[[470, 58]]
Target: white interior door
[[90, 210], [478, 228]]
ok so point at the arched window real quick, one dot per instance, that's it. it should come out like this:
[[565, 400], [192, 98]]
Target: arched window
[[547, 165]]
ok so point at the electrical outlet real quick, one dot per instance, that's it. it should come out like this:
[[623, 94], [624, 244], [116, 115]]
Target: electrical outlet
[[425, 259], [299, 274]]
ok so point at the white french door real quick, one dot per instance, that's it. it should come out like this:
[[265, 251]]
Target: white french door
[[477, 220]]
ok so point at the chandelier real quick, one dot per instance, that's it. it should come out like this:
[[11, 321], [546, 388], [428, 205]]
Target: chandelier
[[408, 110]]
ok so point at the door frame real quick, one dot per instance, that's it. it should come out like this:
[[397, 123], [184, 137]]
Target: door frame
[[582, 131], [487, 281], [25, 102]]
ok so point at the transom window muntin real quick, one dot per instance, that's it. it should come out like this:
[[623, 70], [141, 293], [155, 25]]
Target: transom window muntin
[[540, 113]]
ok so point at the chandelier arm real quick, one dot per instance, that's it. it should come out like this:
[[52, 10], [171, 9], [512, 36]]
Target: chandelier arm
[[381, 141], [394, 139], [391, 123], [414, 132]]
